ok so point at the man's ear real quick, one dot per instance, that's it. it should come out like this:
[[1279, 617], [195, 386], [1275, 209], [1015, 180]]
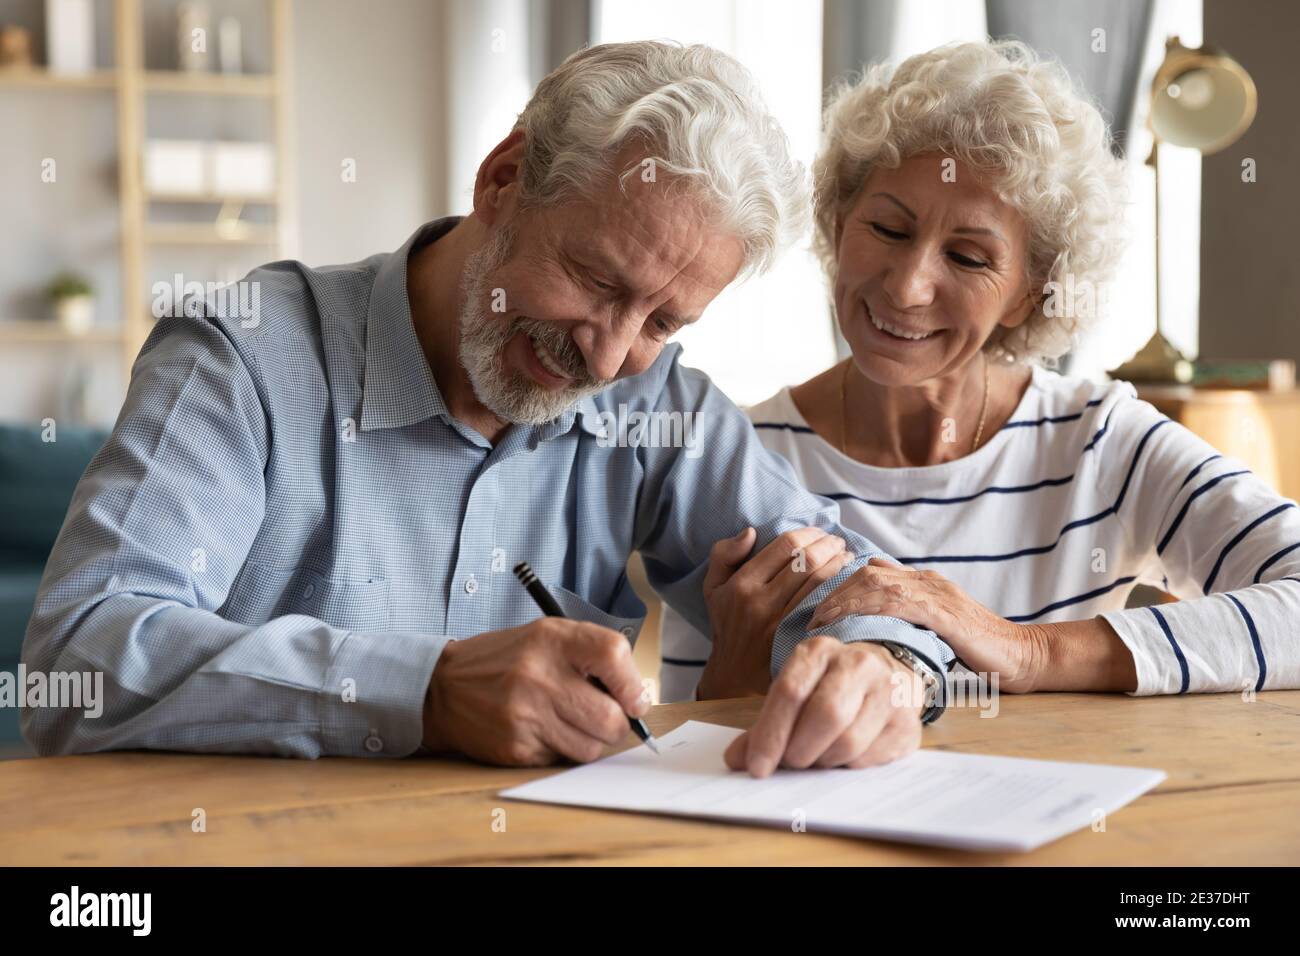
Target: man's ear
[[496, 176]]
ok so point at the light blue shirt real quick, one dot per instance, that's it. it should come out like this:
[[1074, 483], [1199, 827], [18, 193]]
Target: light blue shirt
[[287, 526]]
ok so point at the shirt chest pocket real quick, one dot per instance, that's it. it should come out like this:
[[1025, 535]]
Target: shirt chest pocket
[[580, 609], [265, 592]]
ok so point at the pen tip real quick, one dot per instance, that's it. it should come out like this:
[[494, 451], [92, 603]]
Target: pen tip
[[652, 744]]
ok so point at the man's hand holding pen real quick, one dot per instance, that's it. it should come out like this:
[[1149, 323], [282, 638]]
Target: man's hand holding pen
[[521, 696]]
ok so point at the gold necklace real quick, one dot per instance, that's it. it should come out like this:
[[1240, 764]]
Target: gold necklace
[[844, 408], [984, 407]]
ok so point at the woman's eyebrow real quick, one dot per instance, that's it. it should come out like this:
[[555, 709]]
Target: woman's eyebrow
[[897, 202], [964, 230], [980, 231]]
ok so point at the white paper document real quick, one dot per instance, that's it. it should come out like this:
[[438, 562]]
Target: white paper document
[[936, 797]]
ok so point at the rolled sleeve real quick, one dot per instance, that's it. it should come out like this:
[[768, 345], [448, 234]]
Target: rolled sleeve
[[854, 628], [373, 699]]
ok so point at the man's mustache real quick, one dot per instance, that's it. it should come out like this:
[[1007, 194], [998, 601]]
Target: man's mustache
[[562, 348]]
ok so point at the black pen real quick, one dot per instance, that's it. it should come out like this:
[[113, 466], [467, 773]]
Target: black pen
[[537, 590]]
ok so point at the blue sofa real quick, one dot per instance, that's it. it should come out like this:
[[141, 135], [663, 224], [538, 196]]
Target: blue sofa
[[37, 479]]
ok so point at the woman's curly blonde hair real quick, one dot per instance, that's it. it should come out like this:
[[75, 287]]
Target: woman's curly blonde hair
[[1021, 123]]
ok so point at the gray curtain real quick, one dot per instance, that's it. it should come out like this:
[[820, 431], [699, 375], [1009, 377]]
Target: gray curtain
[[556, 29], [1065, 31], [855, 33]]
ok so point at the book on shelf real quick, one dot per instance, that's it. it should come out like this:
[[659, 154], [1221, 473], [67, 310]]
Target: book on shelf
[[1273, 375]]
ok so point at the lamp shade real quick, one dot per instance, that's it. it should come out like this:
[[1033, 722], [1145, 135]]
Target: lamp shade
[[1201, 99]]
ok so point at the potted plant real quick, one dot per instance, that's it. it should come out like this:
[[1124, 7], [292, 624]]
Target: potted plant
[[74, 302]]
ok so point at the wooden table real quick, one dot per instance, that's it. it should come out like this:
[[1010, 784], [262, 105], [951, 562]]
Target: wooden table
[[1232, 797]]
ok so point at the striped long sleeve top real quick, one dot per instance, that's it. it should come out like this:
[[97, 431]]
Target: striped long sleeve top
[[1083, 494]]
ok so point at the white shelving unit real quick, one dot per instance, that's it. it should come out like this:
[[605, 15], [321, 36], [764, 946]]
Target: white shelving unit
[[132, 85]]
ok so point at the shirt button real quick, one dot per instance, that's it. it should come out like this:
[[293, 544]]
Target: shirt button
[[309, 590], [374, 744], [471, 585], [627, 631]]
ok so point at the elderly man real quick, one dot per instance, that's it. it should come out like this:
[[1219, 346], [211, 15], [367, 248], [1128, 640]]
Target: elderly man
[[298, 539]]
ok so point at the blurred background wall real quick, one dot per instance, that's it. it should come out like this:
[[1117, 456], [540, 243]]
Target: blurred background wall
[[368, 84], [1250, 280], [413, 93]]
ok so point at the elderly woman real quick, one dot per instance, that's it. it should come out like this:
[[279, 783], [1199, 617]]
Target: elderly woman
[[953, 196]]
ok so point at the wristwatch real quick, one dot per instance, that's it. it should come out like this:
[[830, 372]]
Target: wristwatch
[[933, 683]]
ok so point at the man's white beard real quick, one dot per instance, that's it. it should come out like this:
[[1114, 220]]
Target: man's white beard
[[512, 396]]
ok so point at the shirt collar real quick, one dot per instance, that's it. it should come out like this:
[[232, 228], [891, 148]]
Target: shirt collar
[[588, 417], [398, 388]]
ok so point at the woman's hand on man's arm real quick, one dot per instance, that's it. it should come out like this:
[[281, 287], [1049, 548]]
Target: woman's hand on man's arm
[[748, 597], [1069, 656]]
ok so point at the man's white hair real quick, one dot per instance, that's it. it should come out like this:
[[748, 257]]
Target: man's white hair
[[703, 123], [1021, 124]]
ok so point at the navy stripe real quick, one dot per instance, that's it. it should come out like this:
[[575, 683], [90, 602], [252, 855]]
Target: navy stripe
[[681, 662], [961, 499], [991, 490], [1026, 423], [1254, 639], [1136, 456], [1074, 600], [1164, 542], [1197, 470], [1178, 651], [1043, 549], [1274, 560], [1072, 417], [1101, 431], [1209, 582]]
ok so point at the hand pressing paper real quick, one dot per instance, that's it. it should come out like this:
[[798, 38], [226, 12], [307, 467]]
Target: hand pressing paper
[[967, 801]]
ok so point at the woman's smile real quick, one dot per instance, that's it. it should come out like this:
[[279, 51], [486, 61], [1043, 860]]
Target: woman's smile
[[900, 334]]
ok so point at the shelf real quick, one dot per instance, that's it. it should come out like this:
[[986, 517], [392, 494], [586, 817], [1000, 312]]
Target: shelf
[[154, 81], [209, 84], [133, 91], [210, 234], [49, 331], [210, 198], [1215, 395], [39, 78]]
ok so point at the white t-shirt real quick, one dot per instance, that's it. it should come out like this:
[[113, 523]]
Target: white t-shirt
[[1084, 493]]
